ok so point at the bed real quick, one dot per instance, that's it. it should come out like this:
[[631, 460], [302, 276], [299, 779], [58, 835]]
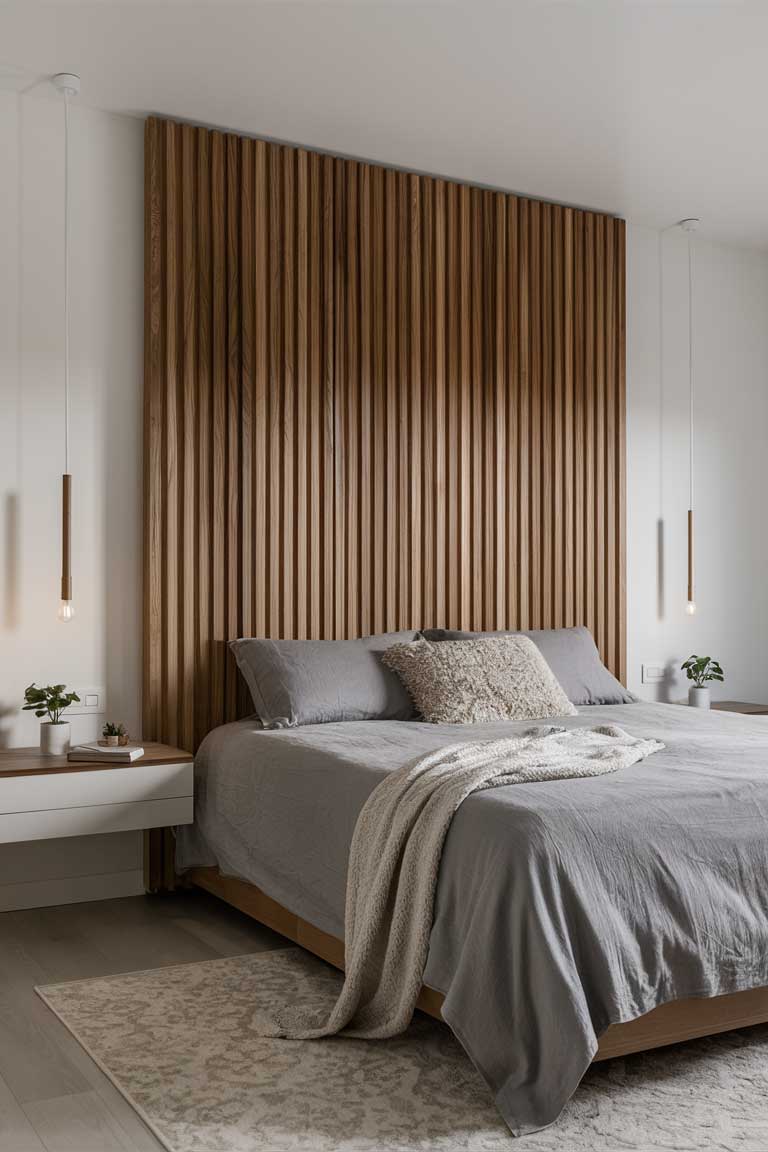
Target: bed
[[574, 919], [422, 486]]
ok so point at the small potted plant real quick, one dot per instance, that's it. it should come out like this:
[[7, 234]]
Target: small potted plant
[[51, 702], [114, 734], [701, 670]]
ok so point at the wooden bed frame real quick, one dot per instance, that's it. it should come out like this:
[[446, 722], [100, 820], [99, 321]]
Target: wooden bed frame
[[670, 1024]]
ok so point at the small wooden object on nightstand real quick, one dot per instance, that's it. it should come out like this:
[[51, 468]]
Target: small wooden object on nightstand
[[48, 796], [740, 706]]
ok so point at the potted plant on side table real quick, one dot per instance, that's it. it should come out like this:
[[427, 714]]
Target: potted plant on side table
[[114, 735], [701, 670], [51, 702]]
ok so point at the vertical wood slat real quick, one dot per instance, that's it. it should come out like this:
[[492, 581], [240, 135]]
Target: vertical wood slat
[[154, 384], [330, 597], [172, 439], [373, 400], [474, 340], [337, 559], [219, 393], [512, 572], [403, 575], [204, 559], [260, 409], [246, 213], [233, 335], [289, 577], [618, 660], [272, 257], [189, 542], [307, 576], [365, 400]]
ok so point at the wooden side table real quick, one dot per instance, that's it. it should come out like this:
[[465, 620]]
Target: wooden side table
[[48, 796]]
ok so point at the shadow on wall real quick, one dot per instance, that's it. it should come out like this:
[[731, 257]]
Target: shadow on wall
[[660, 568], [120, 413], [660, 521], [669, 682], [10, 498], [10, 612], [8, 713], [10, 608], [10, 616], [11, 561]]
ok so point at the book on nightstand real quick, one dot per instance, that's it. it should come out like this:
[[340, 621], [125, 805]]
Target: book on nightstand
[[106, 754]]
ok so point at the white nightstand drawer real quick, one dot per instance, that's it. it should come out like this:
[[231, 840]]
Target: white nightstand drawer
[[134, 783], [90, 819]]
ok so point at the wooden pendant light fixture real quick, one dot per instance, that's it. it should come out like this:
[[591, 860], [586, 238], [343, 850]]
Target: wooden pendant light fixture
[[69, 85]]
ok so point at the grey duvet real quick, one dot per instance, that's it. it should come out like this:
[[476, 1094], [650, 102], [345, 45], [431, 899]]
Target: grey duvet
[[562, 907]]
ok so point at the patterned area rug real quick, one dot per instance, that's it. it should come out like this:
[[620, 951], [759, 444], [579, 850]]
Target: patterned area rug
[[179, 1045]]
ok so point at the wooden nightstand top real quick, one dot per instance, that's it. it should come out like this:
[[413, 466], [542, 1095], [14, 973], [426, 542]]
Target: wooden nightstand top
[[740, 706], [31, 762]]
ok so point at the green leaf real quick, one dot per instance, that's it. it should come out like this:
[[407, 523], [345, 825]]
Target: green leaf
[[50, 700]]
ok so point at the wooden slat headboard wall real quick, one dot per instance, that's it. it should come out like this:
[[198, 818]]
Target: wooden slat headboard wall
[[373, 400]]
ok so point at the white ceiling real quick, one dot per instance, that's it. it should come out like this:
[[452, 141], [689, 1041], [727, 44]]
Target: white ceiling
[[653, 111]]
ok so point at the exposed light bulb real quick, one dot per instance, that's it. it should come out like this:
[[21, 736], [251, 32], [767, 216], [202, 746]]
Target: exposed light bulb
[[66, 611], [690, 608]]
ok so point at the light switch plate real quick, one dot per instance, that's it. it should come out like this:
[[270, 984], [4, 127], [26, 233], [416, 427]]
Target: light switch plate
[[653, 673], [93, 701]]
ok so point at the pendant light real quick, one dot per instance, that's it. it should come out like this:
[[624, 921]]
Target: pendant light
[[689, 226], [69, 85]]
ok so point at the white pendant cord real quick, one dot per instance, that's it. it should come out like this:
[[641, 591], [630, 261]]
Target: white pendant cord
[[690, 372], [66, 281]]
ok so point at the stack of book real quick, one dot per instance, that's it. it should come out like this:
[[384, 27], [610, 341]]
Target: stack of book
[[122, 754]]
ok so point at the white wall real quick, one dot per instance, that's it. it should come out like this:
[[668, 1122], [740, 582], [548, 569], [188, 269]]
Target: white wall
[[102, 646], [730, 461]]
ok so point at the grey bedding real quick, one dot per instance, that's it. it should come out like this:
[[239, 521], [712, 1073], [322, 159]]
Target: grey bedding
[[562, 907]]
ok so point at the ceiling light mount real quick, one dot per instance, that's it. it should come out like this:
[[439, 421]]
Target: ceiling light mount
[[690, 224], [66, 82]]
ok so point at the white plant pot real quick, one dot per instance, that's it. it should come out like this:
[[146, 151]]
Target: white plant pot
[[54, 738], [698, 697]]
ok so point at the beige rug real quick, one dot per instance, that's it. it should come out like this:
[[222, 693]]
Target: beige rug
[[178, 1043]]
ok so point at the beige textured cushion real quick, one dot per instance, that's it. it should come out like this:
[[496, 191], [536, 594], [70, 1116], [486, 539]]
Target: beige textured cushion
[[477, 681]]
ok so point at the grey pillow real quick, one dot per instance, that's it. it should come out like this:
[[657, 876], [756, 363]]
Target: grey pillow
[[478, 681], [295, 682], [571, 654]]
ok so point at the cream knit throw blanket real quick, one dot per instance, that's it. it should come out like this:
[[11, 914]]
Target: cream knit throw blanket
[[395, 859]]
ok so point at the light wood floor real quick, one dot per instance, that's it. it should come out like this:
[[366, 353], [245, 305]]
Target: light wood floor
[[52, 1096]]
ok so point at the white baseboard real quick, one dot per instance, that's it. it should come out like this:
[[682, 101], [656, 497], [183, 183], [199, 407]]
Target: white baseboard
[[70, 890]]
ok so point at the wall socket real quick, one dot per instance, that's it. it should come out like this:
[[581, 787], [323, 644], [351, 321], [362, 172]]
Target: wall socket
[[653, 673], [93, 701]]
